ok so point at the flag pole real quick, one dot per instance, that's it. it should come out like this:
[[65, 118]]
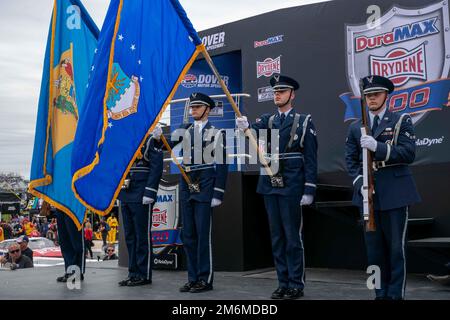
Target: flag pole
[[174, 158], [247, 131]]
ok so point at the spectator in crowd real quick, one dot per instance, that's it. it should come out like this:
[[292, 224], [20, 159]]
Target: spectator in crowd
[[43, 227], [88, 238], [88, 224], [17, 230], [113, 224], [23, 243], [52, 232], [104, 229], [7, 231], [2, 235], [27, 227], [15, 258], [110, 253]]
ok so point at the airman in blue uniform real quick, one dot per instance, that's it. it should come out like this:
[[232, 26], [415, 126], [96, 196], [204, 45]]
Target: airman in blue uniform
[[137, 197], [207, 188], [291, 187], [392, 142]]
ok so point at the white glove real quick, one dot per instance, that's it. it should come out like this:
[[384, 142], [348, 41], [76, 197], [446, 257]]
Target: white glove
[[157, 132], [215, 202], [307, 199], [242, 123], [369, 142], [147, 200]]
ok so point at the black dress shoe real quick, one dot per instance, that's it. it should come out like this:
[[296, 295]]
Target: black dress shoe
[[279, 293], [201, 286], [138, 282], [66, 277], [293, 293], [124, 282], [187, 286], [63, 278]]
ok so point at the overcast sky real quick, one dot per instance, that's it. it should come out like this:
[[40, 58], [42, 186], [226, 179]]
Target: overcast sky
[[23, 28]]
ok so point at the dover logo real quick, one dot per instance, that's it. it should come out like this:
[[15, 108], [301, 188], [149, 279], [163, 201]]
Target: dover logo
[[214, 41], [189, 81], [268, 67], [412, 49]]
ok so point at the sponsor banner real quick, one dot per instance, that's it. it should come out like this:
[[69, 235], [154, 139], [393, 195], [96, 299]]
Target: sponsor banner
[[165, 217], [428, 142], [412, 49], [268, 67], [265, 94], [415, 100], [165, 261], [214, 41], [203, 81], [268, 41], [166, 238]]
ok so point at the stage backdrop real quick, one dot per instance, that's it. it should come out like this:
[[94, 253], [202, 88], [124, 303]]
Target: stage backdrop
[[328, 46]]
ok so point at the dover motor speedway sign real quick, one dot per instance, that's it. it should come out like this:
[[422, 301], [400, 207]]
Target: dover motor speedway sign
[[411, 47]]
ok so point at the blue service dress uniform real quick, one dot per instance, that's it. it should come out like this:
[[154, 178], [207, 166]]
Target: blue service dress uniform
[[395, 191], [298, 167], [71, 242], [195, 207], [144, 177]]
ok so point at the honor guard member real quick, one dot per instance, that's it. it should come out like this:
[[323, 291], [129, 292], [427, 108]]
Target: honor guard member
[[137, 197], [291, 187], [208, 180], [71, 242], [392, 142]]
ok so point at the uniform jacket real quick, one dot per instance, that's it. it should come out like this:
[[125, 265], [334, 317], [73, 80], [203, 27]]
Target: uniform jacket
[[394, 184], [212, 180], [299, 170], [144, 175]]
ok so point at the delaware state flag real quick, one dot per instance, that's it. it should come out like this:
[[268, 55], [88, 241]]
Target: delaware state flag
[[71, 44], [145, 49]]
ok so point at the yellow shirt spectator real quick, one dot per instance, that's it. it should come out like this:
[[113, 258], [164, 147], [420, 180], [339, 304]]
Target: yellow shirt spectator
[[28, 228], [113, 224]]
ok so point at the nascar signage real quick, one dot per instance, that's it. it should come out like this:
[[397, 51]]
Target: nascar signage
[[165, 219], [411, 47]]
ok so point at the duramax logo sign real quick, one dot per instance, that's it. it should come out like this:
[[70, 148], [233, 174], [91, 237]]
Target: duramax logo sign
[[411, 47]]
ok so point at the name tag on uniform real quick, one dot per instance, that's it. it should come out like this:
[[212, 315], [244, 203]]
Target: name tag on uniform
[[387, 132]]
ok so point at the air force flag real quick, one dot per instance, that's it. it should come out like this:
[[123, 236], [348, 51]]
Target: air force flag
[[145, 48]]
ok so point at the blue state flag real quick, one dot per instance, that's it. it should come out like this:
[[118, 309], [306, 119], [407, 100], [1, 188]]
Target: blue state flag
[[71, 46], [145, 49]]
